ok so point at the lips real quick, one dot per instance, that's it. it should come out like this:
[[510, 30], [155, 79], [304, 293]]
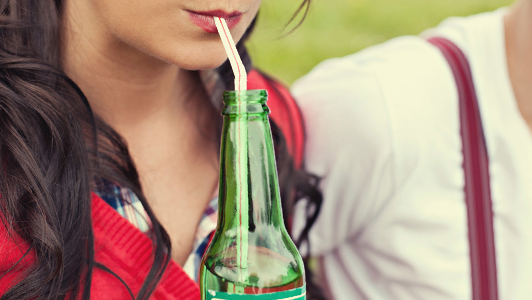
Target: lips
[[205, 19]]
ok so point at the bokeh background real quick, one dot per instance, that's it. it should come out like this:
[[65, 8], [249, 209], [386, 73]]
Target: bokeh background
[[340, 27]]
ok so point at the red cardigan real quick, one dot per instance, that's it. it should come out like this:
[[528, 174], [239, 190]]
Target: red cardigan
[[119, 246], [127, 251]]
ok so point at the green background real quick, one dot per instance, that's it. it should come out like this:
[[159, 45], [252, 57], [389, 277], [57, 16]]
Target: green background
[[339, 27]]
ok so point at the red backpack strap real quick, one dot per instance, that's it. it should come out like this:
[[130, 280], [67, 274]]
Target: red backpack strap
[[477, 179], [284, 112]]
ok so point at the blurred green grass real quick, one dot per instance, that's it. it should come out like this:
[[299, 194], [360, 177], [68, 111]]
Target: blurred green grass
[[340, 27]]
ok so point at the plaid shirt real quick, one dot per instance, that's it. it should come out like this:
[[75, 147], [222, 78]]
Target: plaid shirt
[[128, 205]]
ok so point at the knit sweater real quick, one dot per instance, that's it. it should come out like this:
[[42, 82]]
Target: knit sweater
[[120, 246]]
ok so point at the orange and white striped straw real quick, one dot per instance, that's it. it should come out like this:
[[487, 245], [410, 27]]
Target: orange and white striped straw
[[241, 77]]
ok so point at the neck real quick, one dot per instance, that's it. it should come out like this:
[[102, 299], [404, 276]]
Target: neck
[[518, 32], [248, 165], [125, 86]]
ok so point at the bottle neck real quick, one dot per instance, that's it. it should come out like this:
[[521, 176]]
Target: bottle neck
[[249, 188]]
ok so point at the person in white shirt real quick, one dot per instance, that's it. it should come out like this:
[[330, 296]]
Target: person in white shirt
[[383, 133]]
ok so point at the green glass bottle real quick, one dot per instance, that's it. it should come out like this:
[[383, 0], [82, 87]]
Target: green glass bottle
[[251, 255]]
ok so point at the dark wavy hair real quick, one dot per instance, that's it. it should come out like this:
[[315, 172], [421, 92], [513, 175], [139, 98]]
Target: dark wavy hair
[[54, 151]]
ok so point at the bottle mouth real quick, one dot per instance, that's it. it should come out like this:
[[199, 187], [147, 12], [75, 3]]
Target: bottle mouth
[[245, 97]]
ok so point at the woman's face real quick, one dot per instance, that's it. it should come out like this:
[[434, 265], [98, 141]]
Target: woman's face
[[180, 32]]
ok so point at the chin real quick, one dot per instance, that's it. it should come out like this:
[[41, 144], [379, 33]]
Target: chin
[[202, 60], [201, 65]]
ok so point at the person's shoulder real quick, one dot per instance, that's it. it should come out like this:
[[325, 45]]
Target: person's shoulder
[[344, 100], [469, 29], [366, 73], [401, 58], [397, 81], [363, 65]]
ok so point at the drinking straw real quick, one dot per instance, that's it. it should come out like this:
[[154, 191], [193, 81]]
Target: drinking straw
[[241, 77], [242, 247]]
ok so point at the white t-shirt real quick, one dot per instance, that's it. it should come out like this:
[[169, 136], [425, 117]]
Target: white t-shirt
[[383, 133]]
